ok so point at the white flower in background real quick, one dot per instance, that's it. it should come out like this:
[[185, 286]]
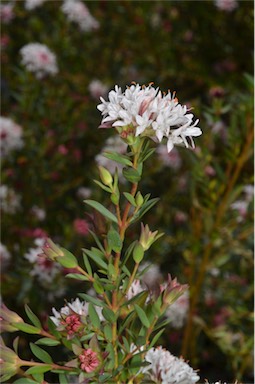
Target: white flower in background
[[6, 12], [9, 200], [84, 192], [226, 5], [169, 159], [43, 269], [39, 59], [152, 276], [11, 136], [5, 256], [32, 4], [79, 307], [39, 213], [241, 206], [77, 12], [146, 111], [97, 89], [165, 368], [113, 144], [177, 311], [136, 287]]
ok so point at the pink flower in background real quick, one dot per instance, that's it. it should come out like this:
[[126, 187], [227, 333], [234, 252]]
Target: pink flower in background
[[77, 12], [180, 217], [10, 136], [62, 149], [6, 12], [226, 5], [97, 89], [39, 59], [81, 226], [38, 213], [89, 360], [210, 171]]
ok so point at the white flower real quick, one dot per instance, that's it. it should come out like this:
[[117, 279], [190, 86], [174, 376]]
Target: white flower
[[77, 12], [43, 269], [32, 4], [39, 213], [9, 200], [97, 89], [77, 306], [165, 368], [136, 287], [39, 59], [177, 311], [5, 256], [172, 159], [151, 113], [113, 144], [226, 5], [6, 12], [11, 136], [152, 276], [84, 192]]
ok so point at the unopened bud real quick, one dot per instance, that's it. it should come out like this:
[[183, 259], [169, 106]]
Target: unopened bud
[[7, 318], [105, 176], [139, 199], [138, 253]]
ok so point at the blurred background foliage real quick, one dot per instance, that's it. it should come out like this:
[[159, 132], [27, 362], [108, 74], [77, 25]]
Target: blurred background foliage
[[202, 52]]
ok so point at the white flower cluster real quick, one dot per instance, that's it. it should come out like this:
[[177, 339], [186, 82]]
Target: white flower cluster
[[226, 5], [77, 306], [77, 12], [9, 200], [39, 59], [165, 368], [177, 311], [241, 206], [32, 4], [11, 136], [45, 270], [5, 256], [151, 113]]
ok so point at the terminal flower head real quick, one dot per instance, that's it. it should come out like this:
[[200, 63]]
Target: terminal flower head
[[89, 360], [146, 111]]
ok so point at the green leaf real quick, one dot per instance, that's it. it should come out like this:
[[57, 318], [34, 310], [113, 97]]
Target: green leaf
[[130, 198], [87, 264], [47, 341], [156, 337], [77, 276], [108, 332], [68, 260], [145, 207], [33, 318], [101, 185], [109, 315], [40, 353], [94, 318], [97, 241], [97, 259], [39, 369], [114, 240], [24, 380], [27, 328], [142, 316], [92, 300], [101, 209], [138, 253], [63, 379], [122, 159], [131, 175]]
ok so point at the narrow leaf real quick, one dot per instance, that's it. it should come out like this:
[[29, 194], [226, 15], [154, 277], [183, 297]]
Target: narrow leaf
[[47, 341], [156, 337], [142, 316], [94, 318], [93, 300], [122, 159], [33, 318], [130, 198], [77, 276], [101, 209], [38, 369], [40, 353], [27, 328]]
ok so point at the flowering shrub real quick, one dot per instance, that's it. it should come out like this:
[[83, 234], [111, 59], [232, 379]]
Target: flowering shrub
[[206, 207]]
